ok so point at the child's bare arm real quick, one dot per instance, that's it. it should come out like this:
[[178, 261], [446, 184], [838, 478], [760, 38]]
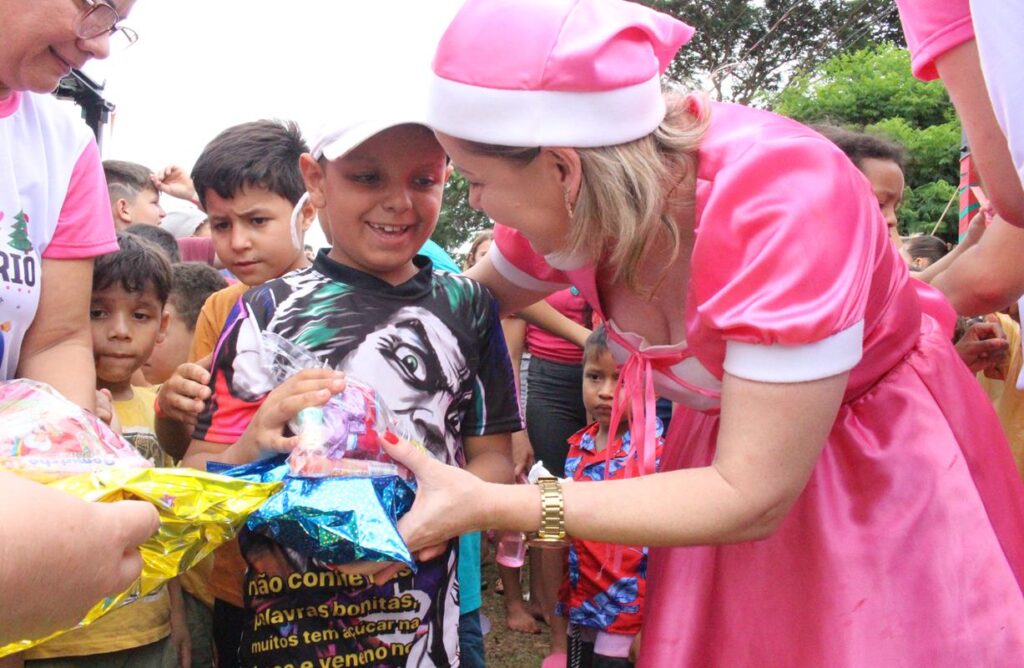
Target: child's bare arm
[[180, 637], [175, 181], [180, 400], [183, 396], [490, 457]]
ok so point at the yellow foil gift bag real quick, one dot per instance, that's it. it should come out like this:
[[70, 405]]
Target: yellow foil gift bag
[[198, 513]]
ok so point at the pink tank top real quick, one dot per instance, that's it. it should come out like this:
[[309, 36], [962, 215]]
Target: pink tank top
[[547, 346]]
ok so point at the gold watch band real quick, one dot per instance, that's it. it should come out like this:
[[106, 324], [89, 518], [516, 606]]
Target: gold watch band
[[552, 510]]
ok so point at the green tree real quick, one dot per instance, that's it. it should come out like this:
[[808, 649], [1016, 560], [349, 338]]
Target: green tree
[[922, 207], [18, 238], [458, 222], [747, 49], [873, 90], [865, 87]]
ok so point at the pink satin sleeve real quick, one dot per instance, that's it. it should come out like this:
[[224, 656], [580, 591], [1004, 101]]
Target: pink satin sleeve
[[787, 238], [933, 27], [518, 263], [85, 227]]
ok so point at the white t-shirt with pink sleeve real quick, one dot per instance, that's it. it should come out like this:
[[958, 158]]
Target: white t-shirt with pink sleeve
[[53, 205], [999, 25], [933, 27]]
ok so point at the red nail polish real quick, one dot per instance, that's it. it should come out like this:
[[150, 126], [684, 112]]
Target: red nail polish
[[390, 438]]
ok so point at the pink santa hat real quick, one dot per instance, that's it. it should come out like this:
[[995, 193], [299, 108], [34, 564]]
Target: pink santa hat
[[576, 73]]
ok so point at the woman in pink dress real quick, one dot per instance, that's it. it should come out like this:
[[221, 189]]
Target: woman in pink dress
[[838, 490]]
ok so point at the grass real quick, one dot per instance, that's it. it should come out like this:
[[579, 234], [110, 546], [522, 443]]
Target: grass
[[505, 648]]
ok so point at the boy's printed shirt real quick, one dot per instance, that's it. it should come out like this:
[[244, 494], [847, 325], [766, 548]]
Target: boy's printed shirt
[[434, 350], [605, 586]]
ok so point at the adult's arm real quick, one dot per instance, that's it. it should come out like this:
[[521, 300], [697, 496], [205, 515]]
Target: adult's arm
[[997, 24], [57, 348], [60, 555], [960, 70], [511, 297], [545, 316], [770, 437], [988, 276]]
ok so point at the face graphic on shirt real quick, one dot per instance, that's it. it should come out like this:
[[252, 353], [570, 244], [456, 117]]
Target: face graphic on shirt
[[413, 360]]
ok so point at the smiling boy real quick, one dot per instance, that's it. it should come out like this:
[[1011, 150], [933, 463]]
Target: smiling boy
[[429, 341]]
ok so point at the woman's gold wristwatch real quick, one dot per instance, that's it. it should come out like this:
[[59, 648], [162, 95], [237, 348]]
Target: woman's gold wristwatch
[[552, 512]]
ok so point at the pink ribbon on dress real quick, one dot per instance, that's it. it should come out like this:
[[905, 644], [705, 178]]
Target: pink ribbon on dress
[[636, 383]]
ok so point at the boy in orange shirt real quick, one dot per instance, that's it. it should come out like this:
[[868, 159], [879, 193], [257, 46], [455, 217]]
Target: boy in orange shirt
[[249, 184]]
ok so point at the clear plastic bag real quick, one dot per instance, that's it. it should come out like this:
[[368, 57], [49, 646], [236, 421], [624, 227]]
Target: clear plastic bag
[[343, 437], [45, 437]]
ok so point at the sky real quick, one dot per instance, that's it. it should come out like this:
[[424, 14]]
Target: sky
[[201, 66]]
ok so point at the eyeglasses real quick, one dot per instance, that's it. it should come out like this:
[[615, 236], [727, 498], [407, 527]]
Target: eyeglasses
[[98, 18]]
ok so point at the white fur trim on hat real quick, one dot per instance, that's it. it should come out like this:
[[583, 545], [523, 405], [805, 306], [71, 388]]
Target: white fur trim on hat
[[543, 117]]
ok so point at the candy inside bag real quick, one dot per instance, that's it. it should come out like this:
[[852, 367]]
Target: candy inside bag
[[45, 437], [343, 437]]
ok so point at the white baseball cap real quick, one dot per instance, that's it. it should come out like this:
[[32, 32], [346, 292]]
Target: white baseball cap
[[183, 223], [356, 119]]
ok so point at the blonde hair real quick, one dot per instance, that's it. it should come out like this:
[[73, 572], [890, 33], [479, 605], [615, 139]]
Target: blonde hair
[[630, 192], [486, 235]]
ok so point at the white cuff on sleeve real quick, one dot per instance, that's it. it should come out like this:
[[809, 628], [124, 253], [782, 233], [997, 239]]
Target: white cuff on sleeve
[[515, 275], [794, 364]]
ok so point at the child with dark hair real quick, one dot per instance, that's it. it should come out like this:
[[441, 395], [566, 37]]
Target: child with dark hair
[[603, 594], [882, 161], [924, 250], [861, 146], [193, 283], [431, 344], [259, 154], [129, 289], [248, 182], [134, 197], [158, 236]]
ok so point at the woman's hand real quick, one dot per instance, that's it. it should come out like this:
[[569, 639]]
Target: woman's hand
[[976, 229], [90, 548], [449, 501]]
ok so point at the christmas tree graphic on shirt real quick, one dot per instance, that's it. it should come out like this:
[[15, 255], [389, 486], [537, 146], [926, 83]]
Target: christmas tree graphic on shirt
[[18, 238]]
